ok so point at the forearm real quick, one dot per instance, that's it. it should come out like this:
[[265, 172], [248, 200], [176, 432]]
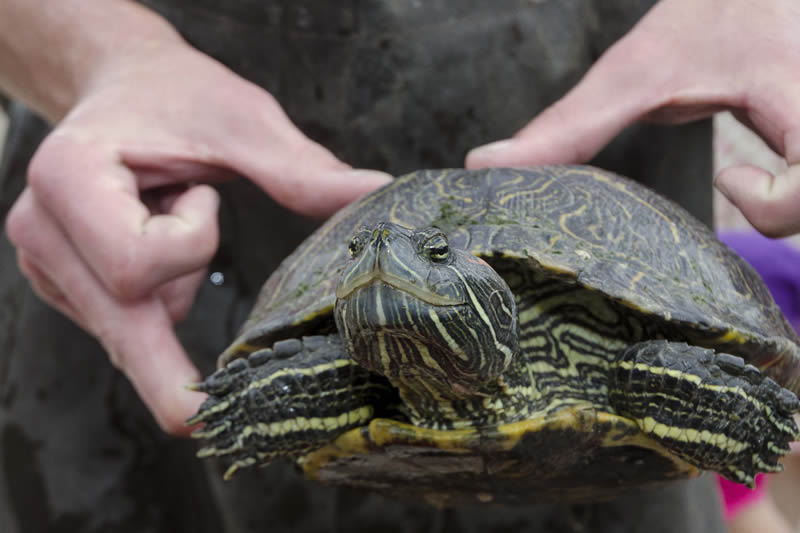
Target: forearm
[[52, 51]]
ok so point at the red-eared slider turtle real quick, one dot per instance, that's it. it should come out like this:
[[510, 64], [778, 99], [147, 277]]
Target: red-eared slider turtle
[[509, 335]]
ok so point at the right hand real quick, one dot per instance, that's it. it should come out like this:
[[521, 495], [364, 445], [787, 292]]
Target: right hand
[[113, 229], [686, 60]]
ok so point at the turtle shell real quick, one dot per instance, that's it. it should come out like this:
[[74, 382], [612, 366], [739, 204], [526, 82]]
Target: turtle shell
[[583, 224], [579, 224]]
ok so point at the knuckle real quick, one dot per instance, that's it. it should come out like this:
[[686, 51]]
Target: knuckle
[[178, 309], [107, 336], [268, 105], [125, 271], [19, 224], [178, 297], [769, 226], [206, 243], [39, 282], [115, 338], [270, 101], [202, 243], [764, 215], [125, 276], [44, 169], [25, 264]]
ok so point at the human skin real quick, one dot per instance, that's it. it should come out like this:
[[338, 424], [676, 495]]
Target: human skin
[[126, 270], [685, 60], [97, 233], [762, 515]]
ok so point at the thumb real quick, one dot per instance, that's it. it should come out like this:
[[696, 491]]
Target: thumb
[[621, 87], [769, 202], [576, 127]]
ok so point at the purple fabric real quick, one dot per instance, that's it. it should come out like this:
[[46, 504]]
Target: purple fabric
[[777, 262]]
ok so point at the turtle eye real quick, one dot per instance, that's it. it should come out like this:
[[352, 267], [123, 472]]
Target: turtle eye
[[437, 248], [355, 246], [359, 240]]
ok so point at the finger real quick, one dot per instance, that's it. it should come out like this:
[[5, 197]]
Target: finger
[[320, 193], [769, 202], [44, 287], [142, 344], [295, 171], [306, 179], [178, 295], [25, 234], [612, 95], [155, 169], [97, 203], [137, 335]]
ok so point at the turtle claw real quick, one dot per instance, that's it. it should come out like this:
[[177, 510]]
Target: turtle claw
[[208, 432], [208, 451], [206, 412], [777, 468], [241, 463], [196, 387], [224, 380], [193, 420], [230, 471]]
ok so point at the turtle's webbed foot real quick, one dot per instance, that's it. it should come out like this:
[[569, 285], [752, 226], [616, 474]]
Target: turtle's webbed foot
[[283, 402], [711, 409]]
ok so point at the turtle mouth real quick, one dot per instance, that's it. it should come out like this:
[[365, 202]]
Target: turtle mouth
[[346, 289]]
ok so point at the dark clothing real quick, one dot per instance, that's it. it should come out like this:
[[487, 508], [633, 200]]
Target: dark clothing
[[394, 85]]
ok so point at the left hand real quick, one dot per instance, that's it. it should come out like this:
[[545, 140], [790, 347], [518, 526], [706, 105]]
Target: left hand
[[116, 228], [686, 60]]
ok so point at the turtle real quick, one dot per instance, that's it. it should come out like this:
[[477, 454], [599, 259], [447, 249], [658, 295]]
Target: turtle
[[508, 335]]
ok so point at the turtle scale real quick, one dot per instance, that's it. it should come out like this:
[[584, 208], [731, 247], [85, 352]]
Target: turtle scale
[[585, 225]]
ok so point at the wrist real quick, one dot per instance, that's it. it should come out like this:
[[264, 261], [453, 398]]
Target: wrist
[[54, 53]]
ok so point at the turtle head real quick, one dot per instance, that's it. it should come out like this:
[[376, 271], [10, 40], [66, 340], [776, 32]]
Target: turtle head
[[426, 316]]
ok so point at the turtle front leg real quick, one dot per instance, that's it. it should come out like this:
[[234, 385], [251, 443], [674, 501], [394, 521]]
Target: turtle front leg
[[711, 409], [285, 401]]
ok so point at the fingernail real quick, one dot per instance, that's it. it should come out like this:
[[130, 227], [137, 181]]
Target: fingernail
[[738, 180], [484, 155], [197, 386], [362, 178], [366, 175], [495, 147], [720, 185]]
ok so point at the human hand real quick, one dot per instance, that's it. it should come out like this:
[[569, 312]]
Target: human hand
[[113, 228], [686, 60]]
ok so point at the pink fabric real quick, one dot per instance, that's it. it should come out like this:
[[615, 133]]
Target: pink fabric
[[736, 496]]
